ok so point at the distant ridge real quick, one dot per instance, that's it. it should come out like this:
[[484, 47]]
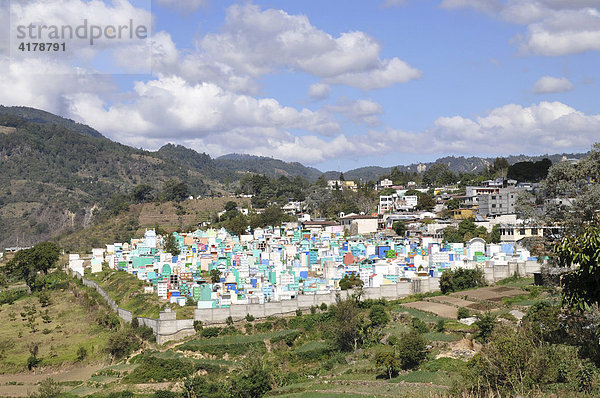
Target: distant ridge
[[43, 117], [243, 163]]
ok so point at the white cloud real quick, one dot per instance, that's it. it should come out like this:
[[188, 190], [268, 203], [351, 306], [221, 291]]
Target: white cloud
[[169, 107], [360, 111], [319, 91], [183, 5], [390, 72], [549, 84], [45, 84], [394, 3], [553, 27], [251, 36]]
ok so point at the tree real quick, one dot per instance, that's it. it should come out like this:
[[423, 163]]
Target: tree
[[28, 262], [581, 285], [486, 326], [215, 275], [350, 282], [500, 165], [253, 381], [399, 228], [171, 245], [453, 204], [122, 343], [142, 193], [347, 325], [388, 359], [495, 235], [452, 235], [411, 350], [230, 205], [461, 279], [378, 315], [425, 201], [175, 191], [238, 224]]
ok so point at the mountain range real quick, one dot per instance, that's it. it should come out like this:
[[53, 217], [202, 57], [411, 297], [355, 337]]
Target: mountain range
[[57, 174]]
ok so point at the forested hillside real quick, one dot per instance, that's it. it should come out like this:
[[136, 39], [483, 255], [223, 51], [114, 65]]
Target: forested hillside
[[54, 179]]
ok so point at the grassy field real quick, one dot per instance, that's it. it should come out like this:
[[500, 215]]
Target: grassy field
[[127, 290], [70, 326]]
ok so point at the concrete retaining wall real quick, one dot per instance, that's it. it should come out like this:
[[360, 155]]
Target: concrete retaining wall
[[167, 327], [303, 302], [501, 271]]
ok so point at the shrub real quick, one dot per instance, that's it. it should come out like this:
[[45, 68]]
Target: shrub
[[323, 307], [122, 343], [229, 320], [48, 389], [154, 369], [378, 315], [419, 326], [198, 326], [298, 312], [461, 279], [211, 332], [411, 350], [254, 381], [165, 394], [463, 312], [388, 359], [313, 309], [514, 361], [264, 326], [81, 353], [486, 326], [249, 317], [440, 325]]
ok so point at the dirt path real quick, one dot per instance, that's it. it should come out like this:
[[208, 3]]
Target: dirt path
[[27, 381], [443, 310]]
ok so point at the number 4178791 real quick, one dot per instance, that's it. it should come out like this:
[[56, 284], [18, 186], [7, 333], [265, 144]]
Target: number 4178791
[[42, 46]]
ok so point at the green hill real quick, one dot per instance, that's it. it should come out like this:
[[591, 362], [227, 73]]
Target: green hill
[[43, 117]]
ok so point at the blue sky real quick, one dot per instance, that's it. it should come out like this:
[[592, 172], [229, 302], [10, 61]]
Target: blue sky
[[334, 84]]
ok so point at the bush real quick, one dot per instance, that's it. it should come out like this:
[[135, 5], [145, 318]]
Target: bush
[[249, 317], [298, 312], [264, 326], [211, 332], [463, 312], [419, 326], [378, 315], [200, 387], [440, 325], [461, 279], [411, 350], [154, 369], [254, 381], [81, 353], [198, 326], [388, 359], [229, 320], [514, 361], [165, 394], [486, 326], [48, 389], [122, 343], [108, 320], [323, 307]]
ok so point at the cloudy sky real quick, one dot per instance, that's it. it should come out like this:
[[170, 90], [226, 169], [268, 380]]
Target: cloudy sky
[[332, 84]]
